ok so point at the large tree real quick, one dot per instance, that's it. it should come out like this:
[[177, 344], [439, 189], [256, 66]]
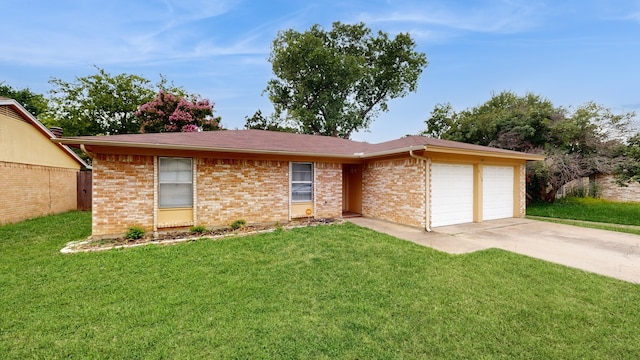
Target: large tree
[[103, 104], [335, 82], [577, 143], [628, 169], [35, 103], [174, 113], [507, 121], [99, 103], [270, 123]]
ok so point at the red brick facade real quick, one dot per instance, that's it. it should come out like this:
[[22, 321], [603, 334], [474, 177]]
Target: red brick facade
[[253, 190], [394, 190], [226, 190], [123, 193], [328, 189], [33, 190]]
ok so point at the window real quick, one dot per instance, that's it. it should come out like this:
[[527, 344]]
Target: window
[[301, 182], [175, 183]]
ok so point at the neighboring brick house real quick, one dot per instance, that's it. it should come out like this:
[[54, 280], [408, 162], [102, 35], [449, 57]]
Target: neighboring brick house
[[37, 177], [611, 190], [604, 186], [173, 180]]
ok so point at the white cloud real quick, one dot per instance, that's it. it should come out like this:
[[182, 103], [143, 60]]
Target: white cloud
[[489, 16], [118, 32], [634, 16]]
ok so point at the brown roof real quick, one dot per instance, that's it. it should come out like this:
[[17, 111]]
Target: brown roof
[[257, 140], [261, 141]]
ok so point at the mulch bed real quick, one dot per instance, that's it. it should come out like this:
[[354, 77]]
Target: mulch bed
[[174, 237]]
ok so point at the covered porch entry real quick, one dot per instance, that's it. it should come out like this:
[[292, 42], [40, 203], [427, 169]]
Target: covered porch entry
[[352, 190]]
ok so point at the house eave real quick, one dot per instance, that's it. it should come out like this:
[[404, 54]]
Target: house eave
[[472, 152], [393, 151], [201, 148], [355, 156]]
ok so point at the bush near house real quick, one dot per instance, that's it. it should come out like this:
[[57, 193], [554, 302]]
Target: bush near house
[[335, 291]]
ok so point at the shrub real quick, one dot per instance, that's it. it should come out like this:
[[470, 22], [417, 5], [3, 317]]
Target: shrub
[[238, 224], [593, 189], [135, 233], [198, 229]]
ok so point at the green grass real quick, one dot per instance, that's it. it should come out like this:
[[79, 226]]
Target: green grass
[[324, 292], [589, 209], [601, 226]]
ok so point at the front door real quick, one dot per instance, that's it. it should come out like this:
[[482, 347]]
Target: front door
[[352, 188]]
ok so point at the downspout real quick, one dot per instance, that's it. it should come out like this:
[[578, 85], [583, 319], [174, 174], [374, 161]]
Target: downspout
[[87, 152], [427, 197]]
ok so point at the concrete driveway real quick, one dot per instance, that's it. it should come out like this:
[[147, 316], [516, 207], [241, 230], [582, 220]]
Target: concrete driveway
[[603, 252]]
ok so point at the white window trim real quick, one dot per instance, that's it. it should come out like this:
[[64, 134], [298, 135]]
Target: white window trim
[[156, 169], [312, 182], [192, 182]]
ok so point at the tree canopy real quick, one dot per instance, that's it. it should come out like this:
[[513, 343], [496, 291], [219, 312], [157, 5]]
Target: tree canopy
[[577, 142], [99, 103], [36, 104], [628, 169], [104, 104], [271, 123], [335, 82], [170, 113]]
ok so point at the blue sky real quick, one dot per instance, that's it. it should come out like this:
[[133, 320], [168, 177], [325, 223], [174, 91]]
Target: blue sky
[[568, 51]]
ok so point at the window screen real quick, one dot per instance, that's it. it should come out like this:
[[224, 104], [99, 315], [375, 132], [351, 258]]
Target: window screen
[[175, 182], [301, 182]]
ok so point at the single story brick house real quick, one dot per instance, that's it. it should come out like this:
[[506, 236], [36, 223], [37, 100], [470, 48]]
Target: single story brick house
[[172, 180], [37, 177], [605, 187]]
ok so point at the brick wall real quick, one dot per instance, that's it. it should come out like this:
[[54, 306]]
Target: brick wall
[[523, 190], [256, 191], [252, 190], [393, 190], [328, 190], [122, 193], [611, 190], [31, 191]]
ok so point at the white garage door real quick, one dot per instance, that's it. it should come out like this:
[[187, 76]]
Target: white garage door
[[497, 192], [451, 194]]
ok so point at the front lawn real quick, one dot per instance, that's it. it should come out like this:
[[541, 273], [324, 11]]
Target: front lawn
[[589, 209], [337, 291]]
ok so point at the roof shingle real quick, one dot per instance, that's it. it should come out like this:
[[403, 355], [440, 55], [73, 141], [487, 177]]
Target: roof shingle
[[275, 142]]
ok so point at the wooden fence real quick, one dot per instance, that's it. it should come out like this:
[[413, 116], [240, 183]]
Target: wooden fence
[[84, 190]]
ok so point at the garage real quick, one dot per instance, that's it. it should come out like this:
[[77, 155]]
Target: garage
[[451, 194], [497, 192]]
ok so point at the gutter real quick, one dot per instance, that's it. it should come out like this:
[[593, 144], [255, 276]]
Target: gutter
[[505, 155], [87, 152], [356, 155], [427, 185], [391, 152], [200, 148]]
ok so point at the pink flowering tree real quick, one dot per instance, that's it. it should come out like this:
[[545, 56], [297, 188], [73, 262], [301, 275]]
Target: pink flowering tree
[[171, 113]]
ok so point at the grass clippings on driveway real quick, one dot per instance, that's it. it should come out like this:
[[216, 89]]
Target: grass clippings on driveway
[[336, 291]]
